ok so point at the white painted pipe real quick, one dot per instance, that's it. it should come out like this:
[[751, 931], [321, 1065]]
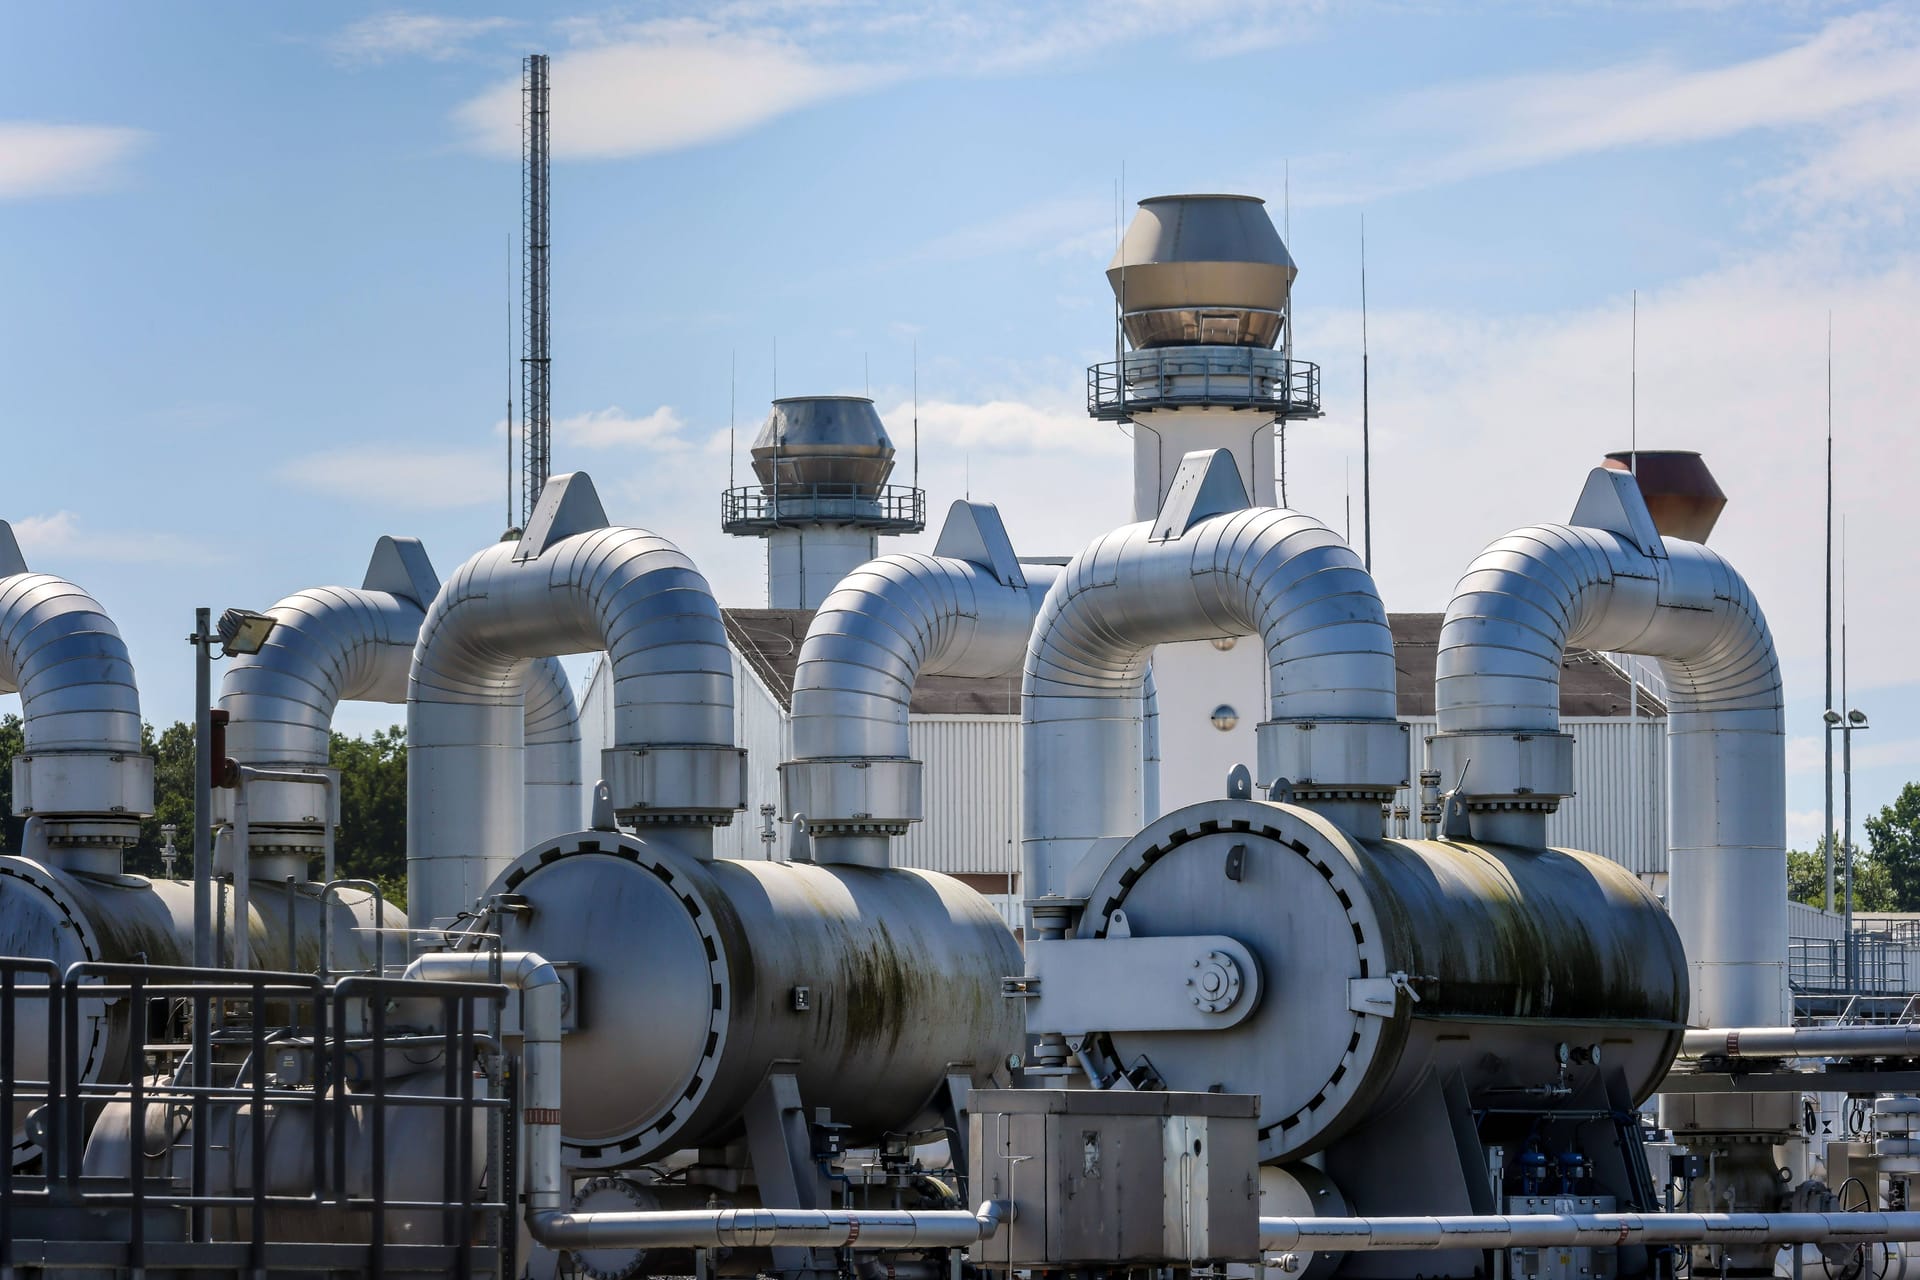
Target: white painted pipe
[[542, 997]]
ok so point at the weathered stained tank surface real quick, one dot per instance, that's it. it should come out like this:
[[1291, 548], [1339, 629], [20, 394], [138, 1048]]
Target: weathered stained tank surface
[[69, 917], [1387, 961], [696, 977]]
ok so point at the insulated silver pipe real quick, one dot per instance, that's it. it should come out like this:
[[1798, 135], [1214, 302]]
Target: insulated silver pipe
[[1534, 593], [1602, 1230], [1253, 571], [82, 774], [1853, 1041], [344, 644], [886, 624], [764, 1228], [542, 1004], [571, 585]]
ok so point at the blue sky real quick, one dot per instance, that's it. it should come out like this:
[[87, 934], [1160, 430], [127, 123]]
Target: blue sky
[[257, 274]]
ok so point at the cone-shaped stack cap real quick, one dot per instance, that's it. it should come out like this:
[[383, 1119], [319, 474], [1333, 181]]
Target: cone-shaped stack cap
[[1202, 270], [1680, 492], [823, 440]]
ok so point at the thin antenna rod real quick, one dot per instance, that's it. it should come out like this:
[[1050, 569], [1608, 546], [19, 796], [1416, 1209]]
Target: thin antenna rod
[[1366, 416], [916, 416], [512, 478], [776, 368], [1827, 835], [866, 375], [733, 398], [1633, 391]]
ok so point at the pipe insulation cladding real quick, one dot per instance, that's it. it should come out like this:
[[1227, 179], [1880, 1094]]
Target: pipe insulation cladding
[[1609, 581], [571, 584], [82, 776], [965, 610], [1208, 567], [342, 644]]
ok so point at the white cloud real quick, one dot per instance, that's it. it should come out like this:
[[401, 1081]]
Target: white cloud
[[38, 159], [1008, 426], [613, 428], [47, 540], [669, 84], [1855, 80], [1479, 425], [398, 34], [406, 479]]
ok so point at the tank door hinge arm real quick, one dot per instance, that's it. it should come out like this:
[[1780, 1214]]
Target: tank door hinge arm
[[1381, 996], [1080, 985]]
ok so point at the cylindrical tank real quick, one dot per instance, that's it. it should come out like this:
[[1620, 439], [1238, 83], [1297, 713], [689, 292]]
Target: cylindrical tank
[[1510, 952], [694, 977], [67, 917], [414, 1141]]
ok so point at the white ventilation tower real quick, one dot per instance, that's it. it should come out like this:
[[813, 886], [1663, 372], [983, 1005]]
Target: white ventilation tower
[[823, 499], [1204, 284]]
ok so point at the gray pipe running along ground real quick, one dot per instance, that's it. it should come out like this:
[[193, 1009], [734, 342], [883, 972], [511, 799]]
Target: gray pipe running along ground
[[62, 654], [1536, 592], [1256, 571], [343, 644], [1602, 1230], [1863, 1041], [571, 585], [542, 995]]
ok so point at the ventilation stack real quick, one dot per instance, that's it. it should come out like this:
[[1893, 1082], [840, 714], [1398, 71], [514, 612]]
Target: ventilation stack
[[822, 500], [1204, 285]]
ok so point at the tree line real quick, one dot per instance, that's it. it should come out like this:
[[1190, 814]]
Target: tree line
[[370, 844], [1886, 872]]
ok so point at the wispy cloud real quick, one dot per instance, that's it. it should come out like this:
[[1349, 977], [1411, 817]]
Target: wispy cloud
[[667, 85], [1009, 426], [406, 479], [38, 159], [1849, 80], [47, 540], [397, 34], [698, 74], [615, 428]]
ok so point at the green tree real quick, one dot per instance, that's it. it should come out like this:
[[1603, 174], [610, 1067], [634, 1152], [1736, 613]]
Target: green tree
[[13, 740], [1893, 837], [1807, 878], [372, 840]]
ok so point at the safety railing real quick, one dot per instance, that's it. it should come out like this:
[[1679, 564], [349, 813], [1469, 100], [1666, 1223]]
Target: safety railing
[[1216, 377], [887, 508], [267, 1052]]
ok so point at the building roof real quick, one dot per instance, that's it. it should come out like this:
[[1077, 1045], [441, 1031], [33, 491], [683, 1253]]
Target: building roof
[[769, 640]]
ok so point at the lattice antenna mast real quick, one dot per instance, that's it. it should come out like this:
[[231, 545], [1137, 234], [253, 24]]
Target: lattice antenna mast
[[536, 414]]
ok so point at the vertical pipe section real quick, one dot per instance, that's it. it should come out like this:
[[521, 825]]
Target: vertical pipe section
[[1196, 573], [570, 585], [83, 775], [966, 610], [345, 644], [1537, 591]]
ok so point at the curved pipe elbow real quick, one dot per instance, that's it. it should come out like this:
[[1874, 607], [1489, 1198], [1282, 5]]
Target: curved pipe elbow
[[61, 652], [889, 622]]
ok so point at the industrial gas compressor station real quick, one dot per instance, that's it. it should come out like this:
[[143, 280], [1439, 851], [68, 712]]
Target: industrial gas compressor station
[[1244, 1011]]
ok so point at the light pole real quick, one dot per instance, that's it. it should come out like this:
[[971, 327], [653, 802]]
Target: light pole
[[1846, 724]]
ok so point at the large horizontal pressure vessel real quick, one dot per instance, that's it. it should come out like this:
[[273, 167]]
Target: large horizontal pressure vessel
[[696, 978], [1510, 952], [49, 913]]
